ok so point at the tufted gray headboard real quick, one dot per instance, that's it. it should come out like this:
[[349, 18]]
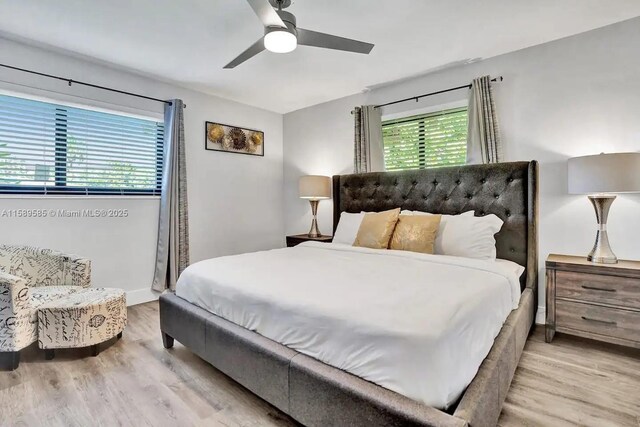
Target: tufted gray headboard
[[508, 190]]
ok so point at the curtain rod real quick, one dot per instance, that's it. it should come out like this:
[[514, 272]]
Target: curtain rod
[[70, 81], [416, 98]]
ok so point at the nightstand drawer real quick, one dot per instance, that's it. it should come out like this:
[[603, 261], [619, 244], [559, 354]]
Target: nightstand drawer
[[615, 290], [595, 319]]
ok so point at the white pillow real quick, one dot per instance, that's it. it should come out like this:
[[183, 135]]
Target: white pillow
[[469, 236], [511, 266], [347, 229], [466, 235]]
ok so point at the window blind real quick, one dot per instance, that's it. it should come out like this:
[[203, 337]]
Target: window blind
[[426, 141], [49, 148]]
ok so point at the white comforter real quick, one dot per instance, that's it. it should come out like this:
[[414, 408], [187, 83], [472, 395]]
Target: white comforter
[[416, 324]]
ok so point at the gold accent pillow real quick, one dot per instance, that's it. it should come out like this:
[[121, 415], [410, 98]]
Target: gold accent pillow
[[376, 229], [416, 233]]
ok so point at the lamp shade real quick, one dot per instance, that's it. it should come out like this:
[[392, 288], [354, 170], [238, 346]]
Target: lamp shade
[[604, 173], [315, 187]]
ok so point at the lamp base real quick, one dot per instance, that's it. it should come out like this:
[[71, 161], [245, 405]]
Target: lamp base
[[314, 232], [601, 252]]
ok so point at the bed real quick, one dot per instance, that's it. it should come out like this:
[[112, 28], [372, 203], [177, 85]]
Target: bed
[[245, 337]]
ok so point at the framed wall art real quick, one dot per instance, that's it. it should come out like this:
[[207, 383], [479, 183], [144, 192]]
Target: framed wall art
[[233, 139]]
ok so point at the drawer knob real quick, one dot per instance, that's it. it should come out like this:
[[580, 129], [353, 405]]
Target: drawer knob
[[595, 288], [606, 322]]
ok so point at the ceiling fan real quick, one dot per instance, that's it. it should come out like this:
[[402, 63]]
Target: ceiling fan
[[281, 35]]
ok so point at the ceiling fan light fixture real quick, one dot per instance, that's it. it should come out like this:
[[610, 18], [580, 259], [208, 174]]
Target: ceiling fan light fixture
[[282, 34], [280, 40]]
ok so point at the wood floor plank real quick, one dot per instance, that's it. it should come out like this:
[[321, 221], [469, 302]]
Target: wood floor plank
[[136, 382], [574, 381]]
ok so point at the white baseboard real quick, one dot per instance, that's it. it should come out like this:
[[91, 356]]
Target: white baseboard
[[541, 315], [140, 296]]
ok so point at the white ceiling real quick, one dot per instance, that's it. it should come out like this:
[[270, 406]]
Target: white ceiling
[[189, 41]]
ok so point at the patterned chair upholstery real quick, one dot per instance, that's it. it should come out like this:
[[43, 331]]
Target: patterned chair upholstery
[[86, 318], [29, 278]]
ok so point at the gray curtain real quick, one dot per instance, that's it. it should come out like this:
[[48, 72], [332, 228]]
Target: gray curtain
[[368, 150], [483, 137], [172, 254]]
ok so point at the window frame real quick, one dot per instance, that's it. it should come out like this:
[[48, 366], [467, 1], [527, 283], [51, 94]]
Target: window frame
[[60, 158], [433, 110]]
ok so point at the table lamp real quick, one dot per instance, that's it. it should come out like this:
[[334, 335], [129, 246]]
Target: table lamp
[[598, 176], [314, 188]]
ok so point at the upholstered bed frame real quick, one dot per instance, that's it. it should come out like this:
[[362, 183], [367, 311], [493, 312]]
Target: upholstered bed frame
[[317, 394]]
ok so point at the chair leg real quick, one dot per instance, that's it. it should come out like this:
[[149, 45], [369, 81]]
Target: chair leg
[[9, 360], [167, 340], [95, 350], [49, 353]]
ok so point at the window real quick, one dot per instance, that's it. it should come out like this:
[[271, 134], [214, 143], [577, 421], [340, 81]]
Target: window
[[51, 149], [426, 141]]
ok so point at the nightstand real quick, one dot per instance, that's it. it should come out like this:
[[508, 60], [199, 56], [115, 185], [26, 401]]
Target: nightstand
[[296, 239], [597, 301]]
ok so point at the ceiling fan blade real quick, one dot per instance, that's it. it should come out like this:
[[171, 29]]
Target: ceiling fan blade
[[328, 41], [252, 51], [266, 13]]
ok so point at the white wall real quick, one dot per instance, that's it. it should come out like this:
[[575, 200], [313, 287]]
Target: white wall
[[235, 201], [571, 97]]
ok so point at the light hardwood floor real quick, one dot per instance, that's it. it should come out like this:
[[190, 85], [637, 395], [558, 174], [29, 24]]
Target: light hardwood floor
[[136, 382]]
